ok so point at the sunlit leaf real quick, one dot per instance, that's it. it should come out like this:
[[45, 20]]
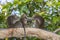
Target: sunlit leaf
[[38, 0], [55, 19], [58, 3]]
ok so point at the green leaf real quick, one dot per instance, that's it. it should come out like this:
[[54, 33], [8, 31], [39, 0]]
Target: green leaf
[[38, 0], [7, 5], [58, 3], [55, 19], [25, 1]]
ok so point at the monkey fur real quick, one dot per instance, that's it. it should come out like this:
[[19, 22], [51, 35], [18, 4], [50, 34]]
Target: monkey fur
[[24, 23], [38, 21], [14, 21]]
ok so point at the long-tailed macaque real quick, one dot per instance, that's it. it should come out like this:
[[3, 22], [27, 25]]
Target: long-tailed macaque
[[14, 21], [38, 21], [24, 23]]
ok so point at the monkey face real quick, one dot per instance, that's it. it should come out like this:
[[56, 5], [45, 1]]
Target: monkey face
[[24, 19]]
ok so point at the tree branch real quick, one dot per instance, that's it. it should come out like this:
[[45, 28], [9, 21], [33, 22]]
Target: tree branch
[[57, 30], [19, 32]]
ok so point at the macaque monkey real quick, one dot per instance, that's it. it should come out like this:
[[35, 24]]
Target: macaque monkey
[[38, 21], [14, 22], [24, 23]]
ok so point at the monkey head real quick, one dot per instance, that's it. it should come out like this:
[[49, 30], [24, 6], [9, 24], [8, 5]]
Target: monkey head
[[39, 21], [24, 19], [12, 19]]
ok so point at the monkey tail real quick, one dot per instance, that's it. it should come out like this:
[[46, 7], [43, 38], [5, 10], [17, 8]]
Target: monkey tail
[[24, 33]]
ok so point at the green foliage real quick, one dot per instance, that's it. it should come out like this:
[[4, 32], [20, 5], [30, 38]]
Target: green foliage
[[2, 21], [38, 0], [32, 38]]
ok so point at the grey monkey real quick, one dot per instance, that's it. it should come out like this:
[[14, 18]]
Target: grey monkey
[[38, 21], [14, 21]]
